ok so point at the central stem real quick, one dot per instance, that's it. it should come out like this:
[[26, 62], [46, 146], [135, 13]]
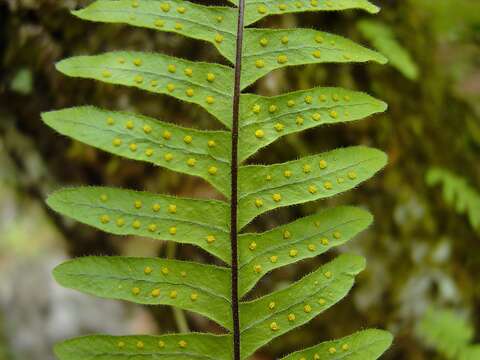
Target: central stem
[[234, 181]]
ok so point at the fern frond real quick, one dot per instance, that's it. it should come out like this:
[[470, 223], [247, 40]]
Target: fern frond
[[252, 122], [275, 314], [182, 79], [383, 39], [169, 347], [457, 193], [190, 151], [127, 212]]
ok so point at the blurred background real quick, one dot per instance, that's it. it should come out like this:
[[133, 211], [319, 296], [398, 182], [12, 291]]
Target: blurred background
[[423, 252]]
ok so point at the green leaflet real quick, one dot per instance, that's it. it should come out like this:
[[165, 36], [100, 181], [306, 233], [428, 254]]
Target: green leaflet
[[204, 289], [266, 187], [157, 73], [127, 212], [202, 153], [166, 347], [304, 238], [257, 9], [265, 119], [458, 193], [275, 314], [214, 24], [383, 39], [363, 345], [270, 49]]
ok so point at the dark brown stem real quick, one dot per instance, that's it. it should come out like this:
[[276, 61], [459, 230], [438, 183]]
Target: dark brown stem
[[234, 180]]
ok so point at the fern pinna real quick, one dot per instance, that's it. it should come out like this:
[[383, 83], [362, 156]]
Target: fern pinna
[[251, 122]]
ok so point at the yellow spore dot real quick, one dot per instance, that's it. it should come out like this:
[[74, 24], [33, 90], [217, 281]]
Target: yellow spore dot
[[181, 10], [188, 72], [210, 77], [219, 18], [252, 246], [346, 98], [327, 185], [106, 73], [210, 100], [312, 247], [332, 350], [312, 189], [165, 7], [323, 164], [321, 301], [121, 344], [259, 133], [316, 116], [257, 268], [168, 157], [274, 326], [136, 224], [178, 26], [152, 227], [148, 270], [154, 83], [284, 40], [137, 62], [328, 274], [307, 168], [110, 121], [268, 177], [129, 125], [271, 305], [161, 344], [291, 103], [282, 59], [337, 234], [121, 60], [319, 39], [333, 114], [172, 230], [194, 296], [218, 38], [137, 204], [138, 79], [211, 143], [272, 108], [173, 294], [307, 308], [190, 92], [345, 347], [256, 108], [140, 345], [324, 241], [291, 317], [135, 291], [279, 127], [155, 292], [170, 87], [182, 344], [212, 170], [335, 97], [159, 23], [258, 203], [262, 9], [167, 135], [259, 63], [133, 147], [183, 273], [352, 175], [191, 162], [264, 41], [172, 209], [299, 120], [282, 7], [317, 54], [147, 129], [171, 68], [322, 98], [308, 99], [105, 219], [117, 142], [314, 3], [188, 139], [165, 270], [293, 253], [211, 239], [149, 152], [156, 207], [273, 259], [277, 197], [316, 357], [120, 222], [287, 234]]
